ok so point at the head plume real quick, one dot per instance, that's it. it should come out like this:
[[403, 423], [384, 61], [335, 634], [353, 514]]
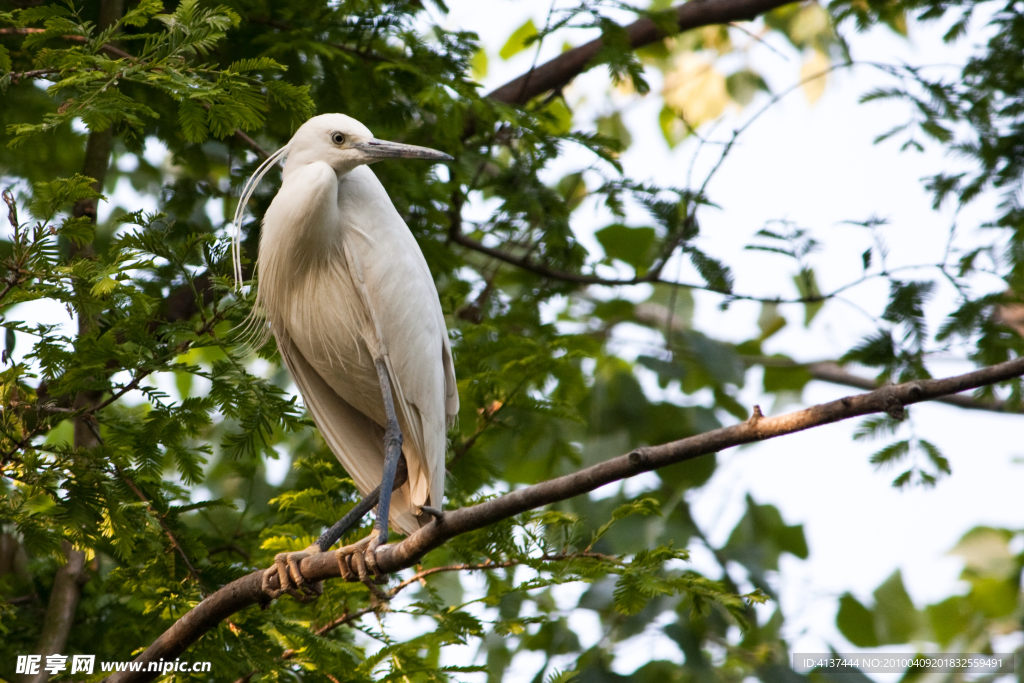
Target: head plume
[[247, 190]]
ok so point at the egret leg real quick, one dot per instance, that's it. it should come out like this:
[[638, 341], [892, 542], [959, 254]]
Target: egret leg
[[392, 454], [352, 517]]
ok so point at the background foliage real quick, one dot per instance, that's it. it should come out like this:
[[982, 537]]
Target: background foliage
[[142, 437]]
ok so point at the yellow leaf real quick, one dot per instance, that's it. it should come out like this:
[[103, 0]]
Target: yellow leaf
[[716, 38], [104, 287], [811, 23], [986, 553], [517, 41], [694, 89], [813, 75], [478, 65]]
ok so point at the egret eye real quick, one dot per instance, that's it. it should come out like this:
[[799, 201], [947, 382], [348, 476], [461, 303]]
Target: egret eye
[[337, 138]]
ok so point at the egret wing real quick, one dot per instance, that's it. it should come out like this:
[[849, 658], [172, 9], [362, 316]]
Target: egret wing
[[355, 439]]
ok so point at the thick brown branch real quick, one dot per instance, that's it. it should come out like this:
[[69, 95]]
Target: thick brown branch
[[392, 558], [558, 72]]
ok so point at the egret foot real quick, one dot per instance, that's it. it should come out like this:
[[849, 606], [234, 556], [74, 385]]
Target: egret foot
[[358, 562], [289, 577]]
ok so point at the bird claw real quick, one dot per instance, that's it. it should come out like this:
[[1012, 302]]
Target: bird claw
[[358, 562], [290, 579]]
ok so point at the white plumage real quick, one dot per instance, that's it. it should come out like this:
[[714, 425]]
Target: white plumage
[[342, 282]]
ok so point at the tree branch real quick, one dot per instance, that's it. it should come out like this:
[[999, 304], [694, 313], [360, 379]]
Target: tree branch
[[657, 316], [60, 611], [651, 277], [109, 49], [558, 72], [163, 525], [830, 371], [247, 590]]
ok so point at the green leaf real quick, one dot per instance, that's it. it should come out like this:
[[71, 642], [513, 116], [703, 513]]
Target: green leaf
[[519, 40], [103, 287], [644, 507], [51, 197], [673, 129], [896, 618], [876, 426], [715, 273], [77, 230], [254, 64], [743, 85], [10, 339], [769, 321], [613, 128], [761, 537], [891, 454], [793, 378], [573, 189], [856, 622], [667, 370], [902, 480], [140, 15], [193, 118], [634, 246], [807, 286], [558, 115], [950, 619], [935, 456]]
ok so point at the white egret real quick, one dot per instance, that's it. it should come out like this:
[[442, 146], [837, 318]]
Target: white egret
[[345, 290]]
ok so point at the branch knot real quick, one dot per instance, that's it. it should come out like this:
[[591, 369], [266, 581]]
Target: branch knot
[[893, 406], [638, 457]]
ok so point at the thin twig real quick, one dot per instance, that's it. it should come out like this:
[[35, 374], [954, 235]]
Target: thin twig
[[163, 524], [109, 49]]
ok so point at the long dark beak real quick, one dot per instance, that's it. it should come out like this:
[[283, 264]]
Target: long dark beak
[[381, 149]]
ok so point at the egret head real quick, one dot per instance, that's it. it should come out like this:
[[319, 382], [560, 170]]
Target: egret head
[[344, 143], [336, 139]]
